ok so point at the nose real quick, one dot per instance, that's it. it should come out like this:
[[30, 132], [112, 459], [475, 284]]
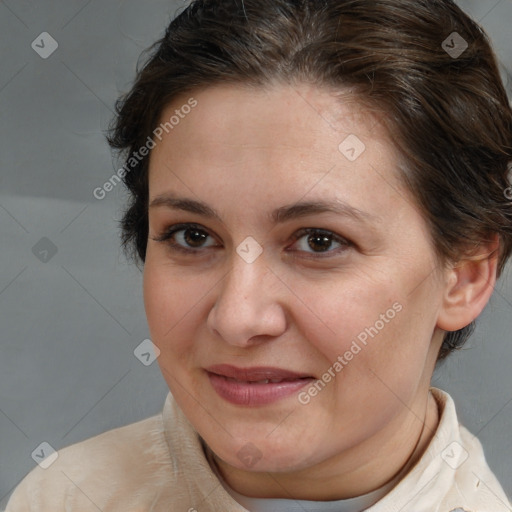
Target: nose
[[248, 309]]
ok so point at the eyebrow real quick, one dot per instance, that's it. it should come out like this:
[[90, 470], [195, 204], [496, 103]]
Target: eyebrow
[[280, 215]]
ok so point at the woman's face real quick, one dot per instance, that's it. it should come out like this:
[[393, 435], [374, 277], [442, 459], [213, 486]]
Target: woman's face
[[296, 255]]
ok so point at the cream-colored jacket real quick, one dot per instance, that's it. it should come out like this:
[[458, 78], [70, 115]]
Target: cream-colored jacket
[[158, 465]]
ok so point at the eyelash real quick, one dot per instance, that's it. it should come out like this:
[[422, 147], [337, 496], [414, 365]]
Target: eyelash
[[167, 235]]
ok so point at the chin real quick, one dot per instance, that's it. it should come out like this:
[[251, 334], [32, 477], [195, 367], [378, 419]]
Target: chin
[[264, 455]]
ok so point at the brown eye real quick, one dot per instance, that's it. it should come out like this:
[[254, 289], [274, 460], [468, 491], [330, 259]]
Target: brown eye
[[315, 241], [319, 243], [194, 237], [187, 238]]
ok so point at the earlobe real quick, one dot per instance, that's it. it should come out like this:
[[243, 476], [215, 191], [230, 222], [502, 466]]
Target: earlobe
[[469, 286]]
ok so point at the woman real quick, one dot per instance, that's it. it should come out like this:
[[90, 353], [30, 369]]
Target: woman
[[318, 200]]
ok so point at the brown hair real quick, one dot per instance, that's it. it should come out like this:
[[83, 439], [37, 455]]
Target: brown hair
[[448, 113]]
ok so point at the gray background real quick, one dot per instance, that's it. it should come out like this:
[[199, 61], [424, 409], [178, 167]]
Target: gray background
[[69, 326]]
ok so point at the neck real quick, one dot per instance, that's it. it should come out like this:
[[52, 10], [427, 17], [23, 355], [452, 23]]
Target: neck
[[391, 455]]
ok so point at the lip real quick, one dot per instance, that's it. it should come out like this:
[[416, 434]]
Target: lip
[[243, 386]]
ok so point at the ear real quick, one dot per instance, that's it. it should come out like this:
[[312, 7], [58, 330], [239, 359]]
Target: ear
[[469, 286]]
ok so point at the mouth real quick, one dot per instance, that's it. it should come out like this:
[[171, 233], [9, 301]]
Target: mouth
[[255, 385], [263, 381], [256, 374]]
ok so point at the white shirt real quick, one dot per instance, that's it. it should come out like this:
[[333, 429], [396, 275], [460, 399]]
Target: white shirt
[[158, 465]]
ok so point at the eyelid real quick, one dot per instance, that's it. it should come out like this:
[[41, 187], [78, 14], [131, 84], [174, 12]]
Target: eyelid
[[171, 230], [345, 244], [168, 233], [309, 231]]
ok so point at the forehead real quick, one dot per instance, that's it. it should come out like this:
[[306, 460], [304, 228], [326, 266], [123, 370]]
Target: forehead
[[240, 114], [281, 143]]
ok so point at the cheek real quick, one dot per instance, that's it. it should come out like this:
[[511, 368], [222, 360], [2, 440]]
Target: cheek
[[381, 331], [170, 301], [348, 310]]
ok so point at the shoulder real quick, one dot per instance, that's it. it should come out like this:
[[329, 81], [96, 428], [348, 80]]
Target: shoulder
[[475, 480], [451, 476], [463, 459], [98, 471]]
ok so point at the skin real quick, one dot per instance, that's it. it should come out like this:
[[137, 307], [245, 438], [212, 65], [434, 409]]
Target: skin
[[246, 152]]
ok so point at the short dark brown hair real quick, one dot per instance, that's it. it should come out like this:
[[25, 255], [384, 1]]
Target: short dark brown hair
[[449, 114]]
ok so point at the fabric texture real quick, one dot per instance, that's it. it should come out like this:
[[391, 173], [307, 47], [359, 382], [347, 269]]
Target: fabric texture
[[158, 465]]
